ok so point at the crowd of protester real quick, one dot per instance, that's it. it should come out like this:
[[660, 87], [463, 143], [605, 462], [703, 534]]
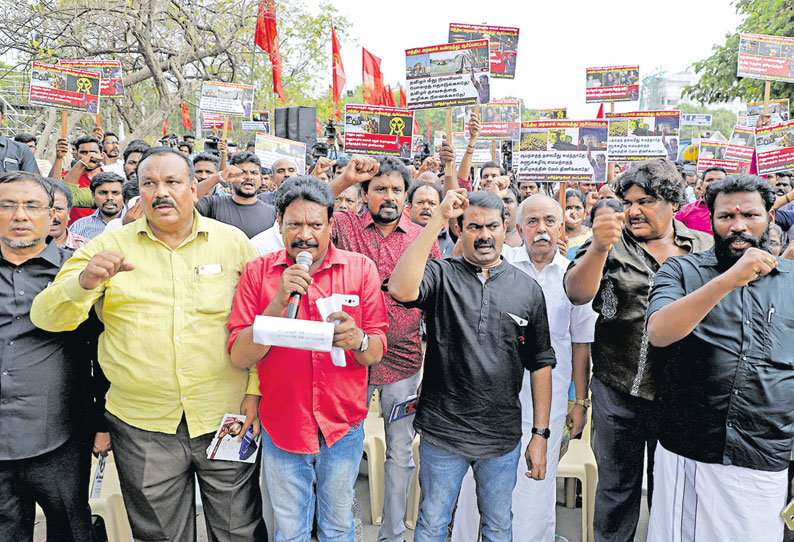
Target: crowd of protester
[[133, 279]]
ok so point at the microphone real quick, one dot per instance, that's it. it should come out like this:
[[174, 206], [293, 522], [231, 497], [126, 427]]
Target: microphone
[[305, 259]]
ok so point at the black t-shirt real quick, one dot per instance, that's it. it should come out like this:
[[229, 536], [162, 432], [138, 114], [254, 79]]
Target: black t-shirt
[[252, 219]]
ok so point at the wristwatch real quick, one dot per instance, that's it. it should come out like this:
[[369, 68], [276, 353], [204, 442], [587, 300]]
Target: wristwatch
[[364, 342], [545, 433], [583, 402]]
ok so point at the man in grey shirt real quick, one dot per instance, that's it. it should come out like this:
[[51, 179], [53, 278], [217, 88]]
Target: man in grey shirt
[[15, 156]]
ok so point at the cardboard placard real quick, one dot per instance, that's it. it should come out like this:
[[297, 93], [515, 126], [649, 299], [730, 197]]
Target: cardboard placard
[[270, 148], [775, 148], [378, 129], [212, 121], [562, 150], [713, 154], [503, 44], [770, 58], [111, 85], [612, 84], [553, 114], [639, 135], [71, 89], [448, 75], [778, 111], [231, 99], [259, 122], [500, 119]]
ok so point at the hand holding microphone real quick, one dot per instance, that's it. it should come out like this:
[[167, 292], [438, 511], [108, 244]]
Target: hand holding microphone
[[295, 282]]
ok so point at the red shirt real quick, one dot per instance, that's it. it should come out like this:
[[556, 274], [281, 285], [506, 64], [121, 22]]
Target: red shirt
[[358, 233], [303, 392], [696, 216], [76, 213]]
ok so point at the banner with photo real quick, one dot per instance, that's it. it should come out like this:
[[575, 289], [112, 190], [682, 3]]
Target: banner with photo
[[551, 114], [270, 148], [562, 150], [639, 135], [778, 111], [712, 154], [259, 122], [111, 85], [503, 45], [232, 99], [741, 146], [448, 75], [500, 119], [770, 58], [612, 84], [378, 129], [213, 121], [60, 87], [695, 119], [775, 148]]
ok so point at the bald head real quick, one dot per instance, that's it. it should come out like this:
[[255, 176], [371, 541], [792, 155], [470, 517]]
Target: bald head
[[283, 168], [428, 177]]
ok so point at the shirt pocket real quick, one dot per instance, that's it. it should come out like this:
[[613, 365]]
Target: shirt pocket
[[214, 293], [779, 340], [511, 334], [11, 164]]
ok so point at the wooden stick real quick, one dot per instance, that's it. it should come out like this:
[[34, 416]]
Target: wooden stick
[[64, 123], [449, 125], [767, 92], [494, 151], [225, 127], [612, 107], [98, 121]]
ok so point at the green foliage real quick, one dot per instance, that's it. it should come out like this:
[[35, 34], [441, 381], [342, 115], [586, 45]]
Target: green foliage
[[718, 83], [722, 119]]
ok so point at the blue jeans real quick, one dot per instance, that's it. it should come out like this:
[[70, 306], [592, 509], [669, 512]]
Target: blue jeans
[[440, 475], [291, 479]]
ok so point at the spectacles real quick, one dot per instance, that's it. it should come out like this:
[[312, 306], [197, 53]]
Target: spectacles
[[774, 244], [9, 208]]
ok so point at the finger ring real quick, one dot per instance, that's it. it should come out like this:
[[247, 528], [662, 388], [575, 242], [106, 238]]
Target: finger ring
[[770, 261]]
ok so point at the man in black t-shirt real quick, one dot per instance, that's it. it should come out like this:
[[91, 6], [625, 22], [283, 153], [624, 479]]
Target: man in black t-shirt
[[243, 209]]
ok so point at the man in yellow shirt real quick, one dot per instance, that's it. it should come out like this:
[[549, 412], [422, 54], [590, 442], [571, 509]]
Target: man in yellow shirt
[[164, 286]]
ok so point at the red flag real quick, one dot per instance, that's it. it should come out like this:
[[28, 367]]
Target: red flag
[[165, 127], [600, 112], [403, 100], [187, 124], [388, 97], [373, 78], [266, 37], [337, 70], [429, 130]]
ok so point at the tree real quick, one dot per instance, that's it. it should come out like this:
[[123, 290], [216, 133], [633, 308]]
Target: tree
[[722, 120], [718, 82]]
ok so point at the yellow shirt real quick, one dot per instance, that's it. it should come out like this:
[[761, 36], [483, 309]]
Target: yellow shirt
[[164, 348]]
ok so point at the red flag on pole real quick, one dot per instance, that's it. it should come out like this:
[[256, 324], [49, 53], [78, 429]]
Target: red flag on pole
[[373, 78], [429, 130], [389, 97], [165, 127], [187, 124], [416, 126], [337, 70], [600, 112], [403, 100], [266, 37]]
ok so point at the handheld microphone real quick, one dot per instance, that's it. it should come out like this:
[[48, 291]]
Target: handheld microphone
[[305, 259]]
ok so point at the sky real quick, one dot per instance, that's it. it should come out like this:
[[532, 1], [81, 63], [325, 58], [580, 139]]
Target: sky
[[558, 39]]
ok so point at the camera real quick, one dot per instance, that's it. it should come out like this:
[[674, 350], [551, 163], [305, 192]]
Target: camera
[[320, 148], [507, 155], [211, 145], [330, 130], [424, 152]]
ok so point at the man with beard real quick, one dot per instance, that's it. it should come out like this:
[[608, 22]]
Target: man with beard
[[383, 233], [132, 155], [61, 206], [111, 153], [89, 163], [615, 269], [106, 191], [723, 323], [243, 210]]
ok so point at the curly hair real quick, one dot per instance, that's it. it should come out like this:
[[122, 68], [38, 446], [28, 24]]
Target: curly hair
[[657, 177]]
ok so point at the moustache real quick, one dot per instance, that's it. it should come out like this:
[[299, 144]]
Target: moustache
[[388, 205], [305, 244], [163, 201], [56, 222], [743, 237], [484, 243], [541, 237]]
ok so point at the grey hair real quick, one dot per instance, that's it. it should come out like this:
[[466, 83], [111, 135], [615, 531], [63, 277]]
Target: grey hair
[[539, 197]]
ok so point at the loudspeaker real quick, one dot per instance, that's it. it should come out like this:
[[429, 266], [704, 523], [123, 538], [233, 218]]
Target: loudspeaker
[[297, 123]]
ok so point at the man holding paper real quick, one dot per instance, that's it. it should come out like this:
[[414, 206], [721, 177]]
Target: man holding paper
[[313, 403]]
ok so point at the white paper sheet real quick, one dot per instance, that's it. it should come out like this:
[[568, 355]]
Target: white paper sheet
[[294, 333]]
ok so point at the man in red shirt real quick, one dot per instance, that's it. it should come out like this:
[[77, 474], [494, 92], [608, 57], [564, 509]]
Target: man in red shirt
[[695, 215], [89, 163], [382, 232], [312, 410]]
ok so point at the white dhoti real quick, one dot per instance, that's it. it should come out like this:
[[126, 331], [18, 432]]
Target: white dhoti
[[534, 516], [705, 502]]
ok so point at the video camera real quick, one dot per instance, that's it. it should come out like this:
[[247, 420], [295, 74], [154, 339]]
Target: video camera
[[211, 145], [171, 140], [330, 130], [507, 155], [320, 148], [424, 152]]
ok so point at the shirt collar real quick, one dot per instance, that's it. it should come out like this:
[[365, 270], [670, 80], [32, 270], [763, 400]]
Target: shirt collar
[[50, 254], [474, 269], [682, 236], [367, 220], [521, 255], [332, 257]]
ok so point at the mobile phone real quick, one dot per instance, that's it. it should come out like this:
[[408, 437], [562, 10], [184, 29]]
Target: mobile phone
[[788, 515]]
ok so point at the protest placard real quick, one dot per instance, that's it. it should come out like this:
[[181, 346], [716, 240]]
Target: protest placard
[[500, 119], [378, 129], [71, 89], [741, 146], [775, 148], [212, 121], [270, 148], [111, 85], [639, 135], [612, 84], [551, 114], [778, 111], [232, 99], [448, 75], [480, 154], [503, 45], [770, 58], [417, 146], [695, 119], [259, 122], [562, 150], [713, 154]]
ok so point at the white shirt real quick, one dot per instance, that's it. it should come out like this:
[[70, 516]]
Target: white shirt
[[567, 323], [116, 167], [268, 241]]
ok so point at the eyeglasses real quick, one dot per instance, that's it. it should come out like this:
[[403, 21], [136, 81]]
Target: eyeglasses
[[774, 244], [9, 208]]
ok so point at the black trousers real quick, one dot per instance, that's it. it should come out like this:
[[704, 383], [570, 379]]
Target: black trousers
[[57, 481]]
